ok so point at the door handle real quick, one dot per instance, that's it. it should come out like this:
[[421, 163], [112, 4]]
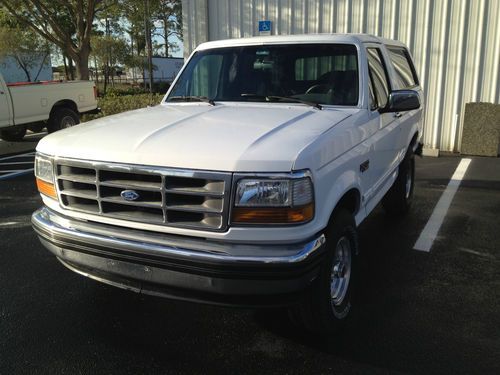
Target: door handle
[[398, 114]]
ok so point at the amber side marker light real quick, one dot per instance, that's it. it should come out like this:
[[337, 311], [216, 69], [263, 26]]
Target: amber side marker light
[[46, 188], [275, 215]]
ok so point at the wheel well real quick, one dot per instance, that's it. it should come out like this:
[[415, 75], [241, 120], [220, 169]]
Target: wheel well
[[64, 104], [350, 201]]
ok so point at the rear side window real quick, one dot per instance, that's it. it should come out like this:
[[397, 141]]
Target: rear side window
[[313, 68], [405, 72], [378, 77]]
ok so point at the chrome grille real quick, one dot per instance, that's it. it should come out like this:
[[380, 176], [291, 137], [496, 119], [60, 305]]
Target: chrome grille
[[180, 198]]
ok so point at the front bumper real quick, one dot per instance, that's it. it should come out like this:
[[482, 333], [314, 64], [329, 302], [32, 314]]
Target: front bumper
[[181, 267]]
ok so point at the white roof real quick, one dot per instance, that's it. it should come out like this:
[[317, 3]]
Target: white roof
[[299, 39]]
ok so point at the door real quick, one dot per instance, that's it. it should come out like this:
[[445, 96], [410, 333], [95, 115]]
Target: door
[[405, 78], [384, 158], [4, 105]]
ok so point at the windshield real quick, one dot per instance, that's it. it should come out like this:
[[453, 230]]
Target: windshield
[[314, 73]]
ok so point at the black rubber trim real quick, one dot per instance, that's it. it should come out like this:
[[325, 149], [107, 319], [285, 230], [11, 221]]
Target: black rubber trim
[[213, 269]]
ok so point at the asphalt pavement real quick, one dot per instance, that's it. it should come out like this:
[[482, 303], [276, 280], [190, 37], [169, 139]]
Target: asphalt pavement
[[417, 312]]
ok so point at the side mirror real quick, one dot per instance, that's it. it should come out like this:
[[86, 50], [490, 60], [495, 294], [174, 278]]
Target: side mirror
[[402, 100]]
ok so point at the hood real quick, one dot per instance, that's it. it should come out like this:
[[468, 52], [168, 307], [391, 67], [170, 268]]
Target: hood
[[226, 137]]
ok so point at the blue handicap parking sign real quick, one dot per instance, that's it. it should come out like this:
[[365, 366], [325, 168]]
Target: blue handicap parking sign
[[264, 26]]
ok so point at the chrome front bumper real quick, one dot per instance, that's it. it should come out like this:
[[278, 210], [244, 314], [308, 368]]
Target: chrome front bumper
[[181, 267]]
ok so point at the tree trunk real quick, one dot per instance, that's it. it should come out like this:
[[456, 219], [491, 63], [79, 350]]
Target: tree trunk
[[165, 35], [82, 64], [106, 78], [66, 72], [149, 48], [96, 71], [41, 65], [23, 67], [71, 69]]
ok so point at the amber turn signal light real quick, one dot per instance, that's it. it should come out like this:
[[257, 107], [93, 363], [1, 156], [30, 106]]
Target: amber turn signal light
[[275, 215], [46, 188]]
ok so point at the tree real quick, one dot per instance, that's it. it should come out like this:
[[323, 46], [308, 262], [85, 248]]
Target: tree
[[109, 51], [66, 23], [169, 13], [30, 52], [133, 13]]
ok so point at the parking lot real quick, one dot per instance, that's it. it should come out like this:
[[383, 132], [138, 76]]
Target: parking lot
[[435, 311]]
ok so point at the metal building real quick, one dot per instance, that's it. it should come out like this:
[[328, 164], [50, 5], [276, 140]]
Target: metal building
[[455, 43]]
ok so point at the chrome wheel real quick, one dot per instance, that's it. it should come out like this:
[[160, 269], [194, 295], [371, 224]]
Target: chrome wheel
[[341, 271]]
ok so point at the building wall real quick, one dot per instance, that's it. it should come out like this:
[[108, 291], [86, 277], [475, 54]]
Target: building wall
[[455, 43], [165, 69]]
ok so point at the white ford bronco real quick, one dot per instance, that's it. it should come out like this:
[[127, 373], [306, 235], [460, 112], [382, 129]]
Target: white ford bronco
[[245, 186]]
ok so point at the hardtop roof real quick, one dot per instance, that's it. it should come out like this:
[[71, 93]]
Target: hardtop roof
[[299, 39]]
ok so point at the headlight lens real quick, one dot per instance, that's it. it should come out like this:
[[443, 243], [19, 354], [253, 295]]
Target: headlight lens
[[43, 169], [252, 193], [44, 174], [273, 201]]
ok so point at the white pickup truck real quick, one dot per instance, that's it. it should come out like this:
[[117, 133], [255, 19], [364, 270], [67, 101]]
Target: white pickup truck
[[35, 105], [247, 184]]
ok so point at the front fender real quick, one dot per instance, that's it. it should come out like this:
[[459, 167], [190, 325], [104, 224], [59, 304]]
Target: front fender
[[329, 195]]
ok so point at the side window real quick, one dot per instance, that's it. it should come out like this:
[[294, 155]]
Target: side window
[[373, 99], [203, 79], [378, 75], [205, 76], [313, 68], [405, 72]]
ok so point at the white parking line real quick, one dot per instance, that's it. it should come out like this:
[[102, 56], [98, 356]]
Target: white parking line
[[14, 174], [26, 155], [26, 159], [17, 162], [430, 232]]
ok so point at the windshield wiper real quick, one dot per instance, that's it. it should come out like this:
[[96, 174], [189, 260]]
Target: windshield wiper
[[184, 98], [277, 97]]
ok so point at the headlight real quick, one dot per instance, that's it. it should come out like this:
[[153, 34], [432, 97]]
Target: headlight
[[43, 169], [44, 173], [273, 201]]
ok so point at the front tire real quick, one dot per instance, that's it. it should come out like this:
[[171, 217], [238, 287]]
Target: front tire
[[13, 135], [328, 303], [62, 118], [397, 201]]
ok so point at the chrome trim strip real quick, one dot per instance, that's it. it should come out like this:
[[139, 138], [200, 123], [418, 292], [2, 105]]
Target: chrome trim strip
[[46, 220]]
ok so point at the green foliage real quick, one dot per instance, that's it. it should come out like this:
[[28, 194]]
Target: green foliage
[[123, 90], [111, 104], [109, 50], [65, 23], [71, 24]]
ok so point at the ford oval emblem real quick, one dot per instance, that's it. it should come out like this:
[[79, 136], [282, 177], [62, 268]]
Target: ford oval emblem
[[130, 195]]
